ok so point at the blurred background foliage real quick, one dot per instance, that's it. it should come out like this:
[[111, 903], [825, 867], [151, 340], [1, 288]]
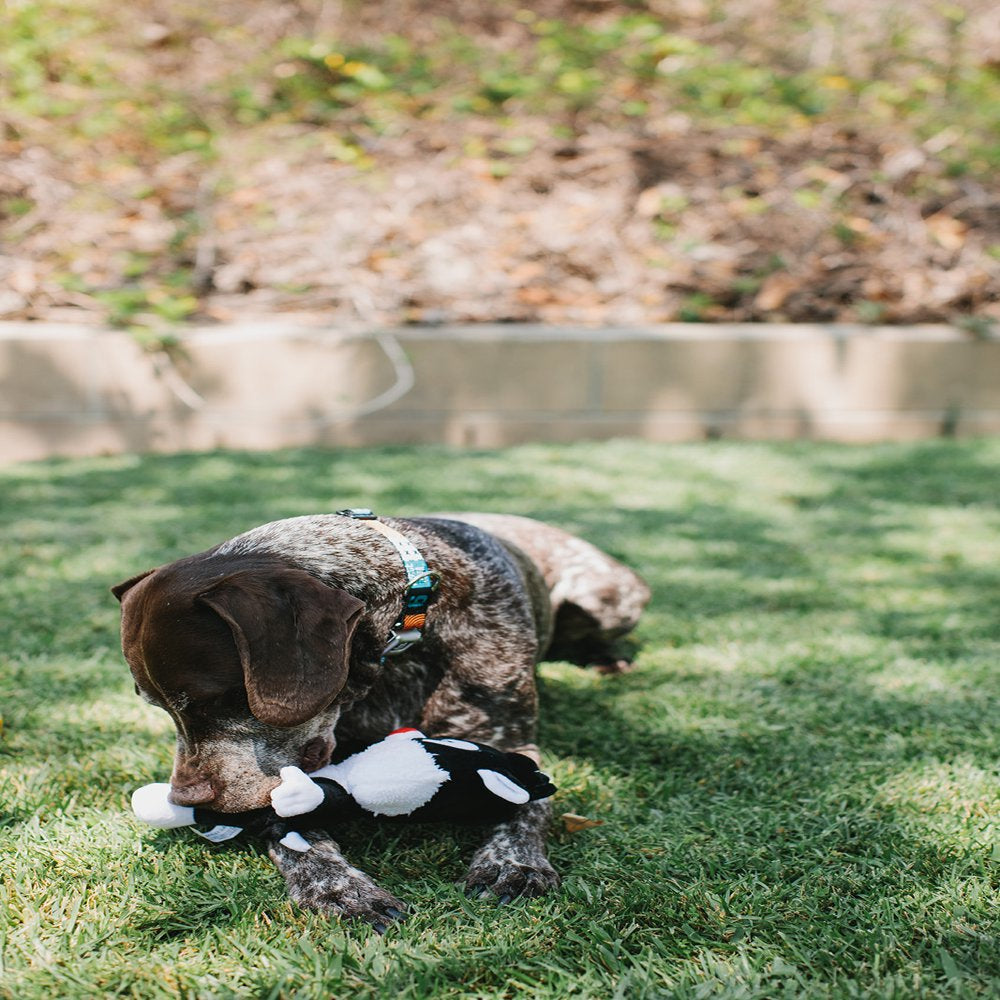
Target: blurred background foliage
[[723, 159]]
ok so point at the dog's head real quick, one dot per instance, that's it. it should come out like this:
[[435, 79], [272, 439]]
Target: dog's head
[[248, 657]]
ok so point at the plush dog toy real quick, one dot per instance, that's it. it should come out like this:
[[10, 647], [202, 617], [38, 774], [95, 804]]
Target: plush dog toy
[[407, 776]]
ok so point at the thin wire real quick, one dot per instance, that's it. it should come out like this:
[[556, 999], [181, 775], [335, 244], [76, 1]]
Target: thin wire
[[403, 375]]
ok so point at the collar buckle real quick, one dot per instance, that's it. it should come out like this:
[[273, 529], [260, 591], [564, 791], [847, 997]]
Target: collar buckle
[[421, 584], [359, 513], [400, 642]]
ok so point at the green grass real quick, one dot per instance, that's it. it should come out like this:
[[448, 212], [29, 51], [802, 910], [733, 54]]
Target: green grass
[[798, 784]]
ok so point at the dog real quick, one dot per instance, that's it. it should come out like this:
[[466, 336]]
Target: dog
[[270, 650]]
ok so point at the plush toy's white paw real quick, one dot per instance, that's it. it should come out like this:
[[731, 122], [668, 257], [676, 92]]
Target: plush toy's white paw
[[296, 842], [297, 793], [151, 805]]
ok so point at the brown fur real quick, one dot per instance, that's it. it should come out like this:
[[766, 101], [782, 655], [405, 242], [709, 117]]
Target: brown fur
[[265, 650]]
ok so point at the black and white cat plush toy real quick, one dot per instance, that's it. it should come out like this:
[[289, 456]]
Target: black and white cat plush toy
[[407, 776]]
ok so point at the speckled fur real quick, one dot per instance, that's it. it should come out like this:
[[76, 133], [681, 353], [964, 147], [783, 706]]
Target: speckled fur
[[321, 879], [511, 590], [512, 862]]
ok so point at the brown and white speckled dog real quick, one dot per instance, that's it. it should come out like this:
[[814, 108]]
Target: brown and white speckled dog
[[266, 649]]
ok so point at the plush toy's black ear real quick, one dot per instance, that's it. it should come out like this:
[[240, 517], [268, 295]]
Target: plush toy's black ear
[[293, 634], [121, 589]]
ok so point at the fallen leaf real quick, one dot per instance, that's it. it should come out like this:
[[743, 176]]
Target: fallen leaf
[[533, 295], [574, 823], [948, 232], [775, 290], [901, 162]]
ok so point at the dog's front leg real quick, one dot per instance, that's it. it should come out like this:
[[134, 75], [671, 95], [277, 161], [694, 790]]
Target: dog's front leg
[[321, 879], [512, 861], [500, 708]]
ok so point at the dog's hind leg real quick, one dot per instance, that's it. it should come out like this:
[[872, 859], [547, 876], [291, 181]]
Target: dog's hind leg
[[594, 612], [595, 600]]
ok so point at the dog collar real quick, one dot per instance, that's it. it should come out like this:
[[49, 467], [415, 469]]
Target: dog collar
[[421, 583]]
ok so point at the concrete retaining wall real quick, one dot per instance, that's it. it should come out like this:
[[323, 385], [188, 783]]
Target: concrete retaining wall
[[80, 391]]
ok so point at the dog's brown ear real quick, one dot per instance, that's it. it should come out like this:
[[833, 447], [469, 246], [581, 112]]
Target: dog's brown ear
[[121, 589], [293, 634]]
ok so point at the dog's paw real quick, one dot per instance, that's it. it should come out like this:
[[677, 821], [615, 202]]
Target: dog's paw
[[508, 874], [320, 879]]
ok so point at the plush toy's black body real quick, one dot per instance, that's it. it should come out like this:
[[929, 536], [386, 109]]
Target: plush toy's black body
[[451, 781], [463, 799]]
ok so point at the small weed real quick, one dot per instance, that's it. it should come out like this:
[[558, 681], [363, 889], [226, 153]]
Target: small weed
[[869, 312], [695, 307], [147, 307]]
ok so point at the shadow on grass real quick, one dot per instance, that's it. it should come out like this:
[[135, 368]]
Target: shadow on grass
[[827, 598], [931, 473], [791, 802], [834, 717]]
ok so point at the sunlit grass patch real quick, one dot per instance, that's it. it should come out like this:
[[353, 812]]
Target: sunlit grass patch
[[793, 794]]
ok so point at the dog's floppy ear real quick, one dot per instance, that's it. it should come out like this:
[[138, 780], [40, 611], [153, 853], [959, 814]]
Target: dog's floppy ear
[[293, 634], [121, 589]]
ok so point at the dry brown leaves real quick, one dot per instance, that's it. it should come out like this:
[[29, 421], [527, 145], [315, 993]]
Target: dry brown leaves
[[653, 222], [611, 228]]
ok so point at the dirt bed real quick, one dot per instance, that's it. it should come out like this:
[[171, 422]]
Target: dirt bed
[[654, 217]]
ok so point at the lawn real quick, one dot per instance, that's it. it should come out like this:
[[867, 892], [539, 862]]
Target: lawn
[[798, 783]]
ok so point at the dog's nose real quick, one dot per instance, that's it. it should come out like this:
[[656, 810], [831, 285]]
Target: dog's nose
[[191, 790], [192, 795]]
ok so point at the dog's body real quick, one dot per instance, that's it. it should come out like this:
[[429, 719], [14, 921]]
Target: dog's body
[[266, 651]]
